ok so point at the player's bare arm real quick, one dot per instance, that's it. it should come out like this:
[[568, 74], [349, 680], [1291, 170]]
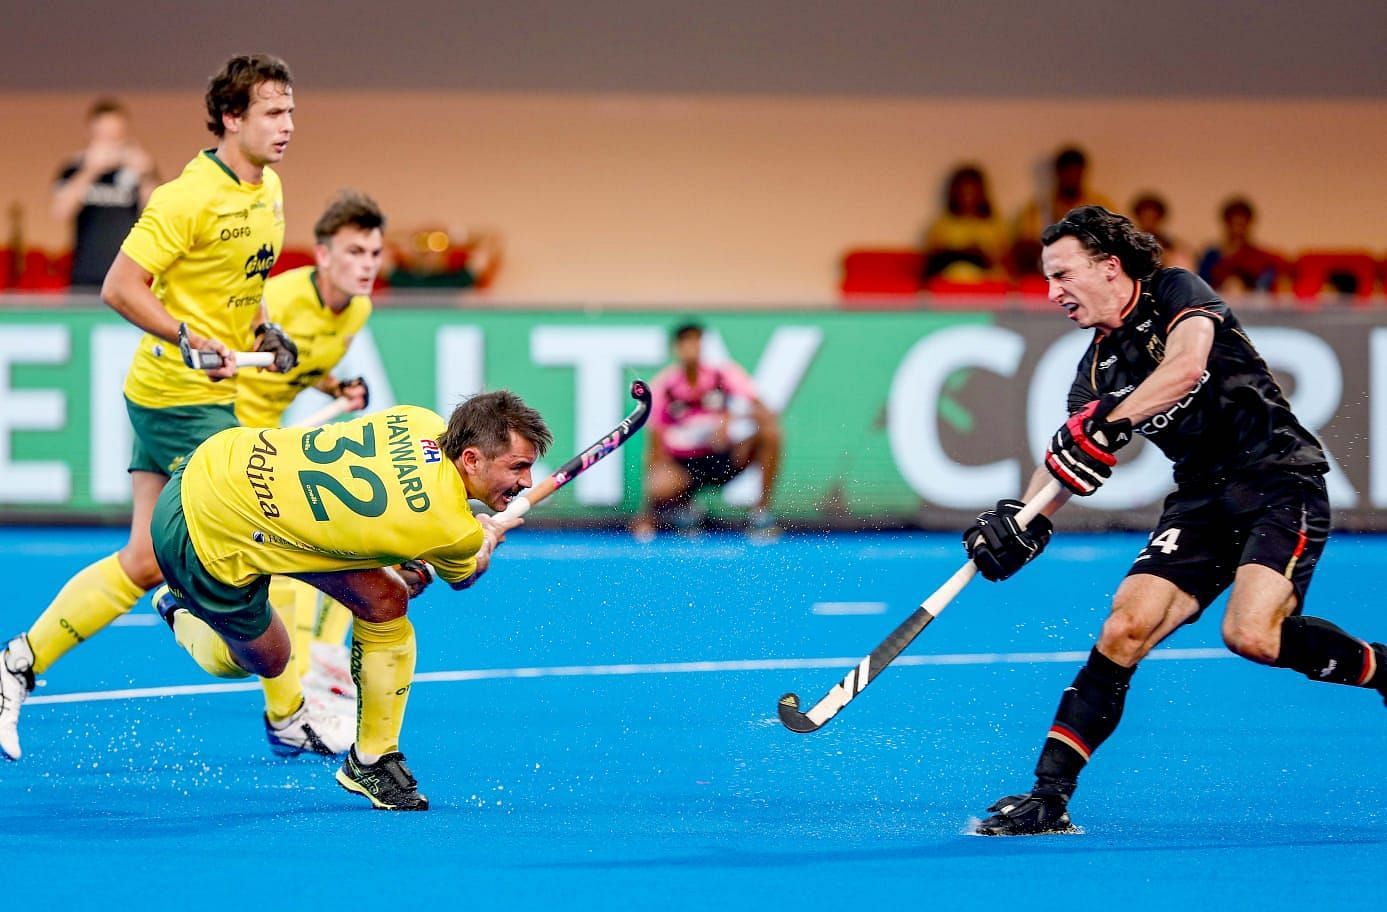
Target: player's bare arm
[[126, 291], [1186, 358]]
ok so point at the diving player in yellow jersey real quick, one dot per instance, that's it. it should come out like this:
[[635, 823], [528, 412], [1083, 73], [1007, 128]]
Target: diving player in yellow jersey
[[338, 507], [206, 242], [322, 308]]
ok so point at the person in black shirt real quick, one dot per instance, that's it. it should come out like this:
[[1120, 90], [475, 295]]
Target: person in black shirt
[[1170, 362], [103, 189]]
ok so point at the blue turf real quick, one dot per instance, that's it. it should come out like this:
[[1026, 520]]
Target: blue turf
[[1227, 783]]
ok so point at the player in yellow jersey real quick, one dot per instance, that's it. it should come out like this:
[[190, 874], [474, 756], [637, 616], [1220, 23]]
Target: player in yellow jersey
[[199, 254], [338, 507], [322, 307]]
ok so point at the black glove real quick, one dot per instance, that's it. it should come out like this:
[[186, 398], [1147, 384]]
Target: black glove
[[1081, 452], [270, 337], [999, 546], [354, 382]]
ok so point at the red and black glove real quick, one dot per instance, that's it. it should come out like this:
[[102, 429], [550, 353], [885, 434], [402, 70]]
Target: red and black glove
[[417, 575], [997, 544], [345, 387], [1081, 454], [271, 337]]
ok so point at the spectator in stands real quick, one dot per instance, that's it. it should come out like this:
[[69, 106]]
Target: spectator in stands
[[1148, 214], [967, 241], [102, 190], [692, 443], [1236, 263], [431, 258], [1068, 190]]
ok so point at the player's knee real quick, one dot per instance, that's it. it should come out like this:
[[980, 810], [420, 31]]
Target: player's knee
[[1125, 634], [272, 666], [1252, 643], [389, 600], [139, 564]]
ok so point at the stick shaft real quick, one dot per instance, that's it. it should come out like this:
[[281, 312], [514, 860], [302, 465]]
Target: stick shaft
[[584, 460], [339, 406], [905, 633]]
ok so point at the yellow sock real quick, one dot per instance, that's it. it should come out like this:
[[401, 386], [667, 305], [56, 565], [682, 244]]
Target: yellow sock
[[383, 668], [334, 620], [206, 646], [285, 590], [90, 601], [284, 694]]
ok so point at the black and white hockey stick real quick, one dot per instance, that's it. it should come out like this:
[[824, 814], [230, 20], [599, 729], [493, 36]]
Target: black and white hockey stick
[[339, 406], [579, 464], [198, 359], [874, 664]]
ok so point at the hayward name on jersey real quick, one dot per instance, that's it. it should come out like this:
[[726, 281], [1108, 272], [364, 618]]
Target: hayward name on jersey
[[353, 495], [209, 240]]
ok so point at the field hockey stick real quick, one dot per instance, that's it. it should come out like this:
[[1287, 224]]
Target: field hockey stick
[[865, 672], [339, 406], [199, 359], [585, 460]]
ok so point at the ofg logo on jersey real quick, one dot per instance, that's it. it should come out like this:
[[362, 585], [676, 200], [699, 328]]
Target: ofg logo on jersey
[[261, 262]]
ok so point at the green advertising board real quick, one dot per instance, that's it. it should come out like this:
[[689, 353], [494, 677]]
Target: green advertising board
[[889, 418]]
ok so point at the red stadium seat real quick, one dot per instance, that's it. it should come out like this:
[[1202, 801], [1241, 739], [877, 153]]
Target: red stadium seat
[[993, 287], [1319, 271], [6, 267], [41, 272], [881, 272], [292, 258]]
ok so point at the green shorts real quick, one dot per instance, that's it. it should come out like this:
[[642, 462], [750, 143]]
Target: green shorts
[[166, 437], [236, 612]]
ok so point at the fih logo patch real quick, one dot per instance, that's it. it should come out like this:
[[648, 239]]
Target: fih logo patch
[[261, 262], [431, 451]]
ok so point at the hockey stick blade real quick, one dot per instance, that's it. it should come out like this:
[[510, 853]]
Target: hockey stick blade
[[640, 391], [866, 671]]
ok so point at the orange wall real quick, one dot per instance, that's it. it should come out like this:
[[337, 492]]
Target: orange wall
[[703, 198]]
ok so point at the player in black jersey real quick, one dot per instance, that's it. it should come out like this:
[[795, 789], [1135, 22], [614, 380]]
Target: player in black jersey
[[1170, 362]]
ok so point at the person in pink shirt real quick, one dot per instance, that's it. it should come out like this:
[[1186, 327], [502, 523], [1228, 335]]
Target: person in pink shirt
[[691, 440]]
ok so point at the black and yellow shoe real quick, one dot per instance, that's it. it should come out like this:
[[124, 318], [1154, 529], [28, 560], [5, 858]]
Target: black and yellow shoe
[[387, 782]]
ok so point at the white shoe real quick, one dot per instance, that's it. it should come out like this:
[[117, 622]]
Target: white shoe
[[16, 680], [310, 730], [329, 673]]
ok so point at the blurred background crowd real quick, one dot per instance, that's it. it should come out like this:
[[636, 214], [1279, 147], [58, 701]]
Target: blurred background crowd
[[769, 155]]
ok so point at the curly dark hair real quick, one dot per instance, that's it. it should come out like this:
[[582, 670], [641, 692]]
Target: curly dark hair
[[229, 90], [486, 420], [1104, 234]]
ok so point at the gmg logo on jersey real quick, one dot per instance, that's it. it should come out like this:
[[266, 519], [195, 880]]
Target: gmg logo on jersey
[[431, 451], [260, 262]]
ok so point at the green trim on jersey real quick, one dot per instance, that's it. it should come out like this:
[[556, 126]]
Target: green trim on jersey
[[212, 154]]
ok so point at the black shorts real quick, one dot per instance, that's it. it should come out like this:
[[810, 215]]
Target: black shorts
[[710, 469], [1277, 519]]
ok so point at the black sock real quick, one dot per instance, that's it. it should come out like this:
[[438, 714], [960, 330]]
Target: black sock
[[1088, 714], [1322, 652]]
